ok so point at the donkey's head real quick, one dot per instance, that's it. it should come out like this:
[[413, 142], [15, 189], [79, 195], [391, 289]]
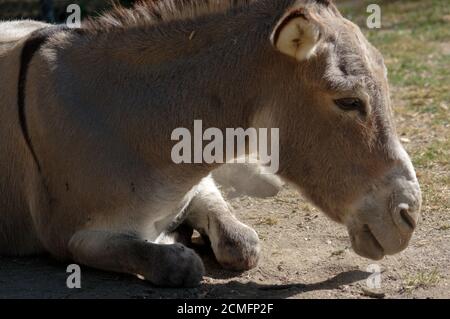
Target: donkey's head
[[337, 134]]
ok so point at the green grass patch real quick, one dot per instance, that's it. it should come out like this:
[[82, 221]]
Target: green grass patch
[[436, 152]]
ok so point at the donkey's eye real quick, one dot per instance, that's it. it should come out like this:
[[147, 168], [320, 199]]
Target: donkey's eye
[[351, 104]]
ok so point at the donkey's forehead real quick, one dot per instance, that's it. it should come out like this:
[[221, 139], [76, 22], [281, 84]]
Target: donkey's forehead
[[352, 52]]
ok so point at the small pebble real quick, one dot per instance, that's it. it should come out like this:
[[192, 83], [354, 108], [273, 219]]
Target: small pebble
[[378, 294]]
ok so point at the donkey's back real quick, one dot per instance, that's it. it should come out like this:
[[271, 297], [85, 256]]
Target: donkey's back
[[12, 31], [17, 177]]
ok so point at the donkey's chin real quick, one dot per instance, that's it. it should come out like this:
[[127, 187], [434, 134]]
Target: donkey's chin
[[365, 244], [377, 241]]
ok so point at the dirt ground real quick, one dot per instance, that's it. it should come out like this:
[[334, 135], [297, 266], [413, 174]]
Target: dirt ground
[[305, 255]]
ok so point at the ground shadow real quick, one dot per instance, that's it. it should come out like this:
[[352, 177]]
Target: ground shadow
[[41, 277]]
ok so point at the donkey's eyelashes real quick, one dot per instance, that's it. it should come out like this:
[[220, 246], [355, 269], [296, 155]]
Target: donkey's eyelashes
[[351, 104]]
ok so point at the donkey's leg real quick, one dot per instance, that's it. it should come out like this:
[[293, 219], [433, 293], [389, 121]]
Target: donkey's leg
[[163, 265], [182, 234], [235, 245]]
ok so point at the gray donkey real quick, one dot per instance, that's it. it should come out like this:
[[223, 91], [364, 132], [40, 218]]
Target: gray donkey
[[87, 115]]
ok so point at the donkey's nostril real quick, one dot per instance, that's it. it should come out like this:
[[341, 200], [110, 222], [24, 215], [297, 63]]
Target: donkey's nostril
[[407, 218]]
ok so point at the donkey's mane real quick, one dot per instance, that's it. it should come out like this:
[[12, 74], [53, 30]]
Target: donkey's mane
[[151, 12]]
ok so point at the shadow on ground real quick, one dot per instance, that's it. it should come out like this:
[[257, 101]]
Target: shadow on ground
[[42, 277]]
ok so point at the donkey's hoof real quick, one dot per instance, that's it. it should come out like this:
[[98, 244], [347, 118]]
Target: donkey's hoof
[[238, 251], [179, 267]]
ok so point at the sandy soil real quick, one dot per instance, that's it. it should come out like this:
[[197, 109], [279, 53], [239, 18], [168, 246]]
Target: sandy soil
[[305, 255]]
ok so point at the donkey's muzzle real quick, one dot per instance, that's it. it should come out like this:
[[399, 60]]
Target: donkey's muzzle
[[383, 221]]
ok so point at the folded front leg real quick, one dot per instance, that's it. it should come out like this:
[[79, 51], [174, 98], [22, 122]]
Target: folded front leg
[[235, 245], [163, 265]]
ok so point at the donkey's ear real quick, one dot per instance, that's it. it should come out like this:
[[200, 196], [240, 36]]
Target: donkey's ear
[[296, 35]]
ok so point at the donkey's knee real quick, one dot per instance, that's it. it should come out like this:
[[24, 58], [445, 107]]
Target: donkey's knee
[[235, 245]]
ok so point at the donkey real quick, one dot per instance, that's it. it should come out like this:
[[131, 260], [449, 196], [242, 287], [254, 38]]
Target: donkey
[[87, 114]]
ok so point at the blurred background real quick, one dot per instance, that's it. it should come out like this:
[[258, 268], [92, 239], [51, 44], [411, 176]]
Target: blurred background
[[52, 10]]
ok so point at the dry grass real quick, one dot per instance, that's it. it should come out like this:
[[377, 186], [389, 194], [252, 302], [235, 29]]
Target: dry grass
[[422, 279]]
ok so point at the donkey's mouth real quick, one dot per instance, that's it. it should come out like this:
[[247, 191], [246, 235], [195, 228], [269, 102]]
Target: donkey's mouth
[[365, 243], [373, 238]]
